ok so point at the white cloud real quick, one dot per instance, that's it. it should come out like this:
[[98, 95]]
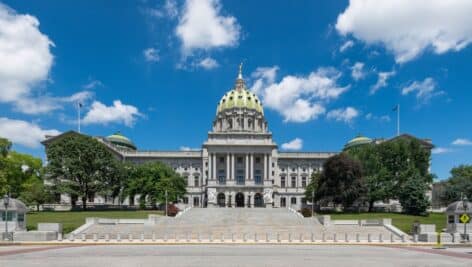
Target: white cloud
[[295, 144], [424, 90], [168, 10], [24, 133], [345, 115], [384, 118], [441, 150], [117, 113], [151, 54], [24, 53], [201, 26], [208, 63], [357, 71], [407, 28], [297, 98], [462, 142], [186, 148], [382, 81], [348, 44], [92, 84]]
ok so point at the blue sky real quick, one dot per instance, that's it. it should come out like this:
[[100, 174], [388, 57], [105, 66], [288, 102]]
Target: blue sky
[[155, 70]]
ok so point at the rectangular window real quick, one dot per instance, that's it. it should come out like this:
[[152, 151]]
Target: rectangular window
[[450, 219], [294, 181], [240, 177], [282, 181], [196, 201], [293, 200], [258, 179], [258, 160], [221, 177], [304, 182], [240, 160], [9, 216], [185, 199], [283, 202], [196, 180], [186, 180], [222, 160], [21, 217]]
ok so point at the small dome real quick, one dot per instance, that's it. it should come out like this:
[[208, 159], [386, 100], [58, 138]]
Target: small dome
[[14, 205], [121, 141], [358, 140], [458, 207]]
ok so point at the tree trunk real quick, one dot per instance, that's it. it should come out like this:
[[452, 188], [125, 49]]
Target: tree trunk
[[37, 207], [84, 203], [371, 205]]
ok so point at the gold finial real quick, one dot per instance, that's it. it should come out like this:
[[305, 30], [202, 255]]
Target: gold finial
[[240, 75]]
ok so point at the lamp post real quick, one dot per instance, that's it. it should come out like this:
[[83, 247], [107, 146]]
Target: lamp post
[[6, 201], [166, 202], [313, 203], [465, 206]]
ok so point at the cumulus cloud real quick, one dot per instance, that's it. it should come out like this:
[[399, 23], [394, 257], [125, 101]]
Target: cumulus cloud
[[117, 113], [26, 60], [168, 10], [357, 71], [297, 98], [346, 115], [408, 28], [23, 132], [462, 142], [383, 118], [202, 26], [295, 144], [151, 54], [92, 84], [346, 45], [441, 150], [382, 81], [208, 63], [424, 90]]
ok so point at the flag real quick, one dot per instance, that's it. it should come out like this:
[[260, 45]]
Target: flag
[[395, 108], [79, 104]]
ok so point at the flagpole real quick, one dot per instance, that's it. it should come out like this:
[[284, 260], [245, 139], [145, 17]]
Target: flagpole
[[78, 115], [398, 119]]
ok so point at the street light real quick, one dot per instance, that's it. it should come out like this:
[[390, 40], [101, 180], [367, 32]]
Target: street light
[[313, 202], [166, 202], [6, 201], [464, 204]]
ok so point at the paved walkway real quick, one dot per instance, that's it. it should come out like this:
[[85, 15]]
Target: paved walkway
[[234, 255]]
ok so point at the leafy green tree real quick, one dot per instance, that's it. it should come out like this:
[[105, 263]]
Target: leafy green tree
[[150, 180], [459, 183], [5, 146], [341, 181], [312, 185], [35, 192], [412, 195], [80, 165]]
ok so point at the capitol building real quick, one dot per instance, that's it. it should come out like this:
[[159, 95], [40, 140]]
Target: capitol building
[[239, 165]]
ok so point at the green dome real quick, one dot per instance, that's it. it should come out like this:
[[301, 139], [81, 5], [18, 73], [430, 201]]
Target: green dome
[[121, 141], [358, 140], [240, 97]]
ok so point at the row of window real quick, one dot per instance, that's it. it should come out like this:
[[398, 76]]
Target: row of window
[[293, 181], [196, 201], [239, 160]]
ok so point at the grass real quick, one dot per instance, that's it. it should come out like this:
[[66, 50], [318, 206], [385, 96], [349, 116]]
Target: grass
[[72, 219], [402, 221]]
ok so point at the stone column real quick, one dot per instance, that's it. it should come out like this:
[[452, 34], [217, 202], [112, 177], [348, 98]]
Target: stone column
[[264, 165], [233, 171], [269, 168], [247, 167], [228, 156], [251, 167], [214, 166], [209, 167]]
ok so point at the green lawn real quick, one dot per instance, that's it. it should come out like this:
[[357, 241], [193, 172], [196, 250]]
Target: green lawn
[[402, 221], [73, 219]]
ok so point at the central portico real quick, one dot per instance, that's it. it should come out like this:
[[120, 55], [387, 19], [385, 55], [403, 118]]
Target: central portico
[[240, 152]]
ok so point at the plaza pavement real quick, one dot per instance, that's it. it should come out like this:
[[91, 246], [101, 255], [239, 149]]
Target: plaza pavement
[[232, 255]]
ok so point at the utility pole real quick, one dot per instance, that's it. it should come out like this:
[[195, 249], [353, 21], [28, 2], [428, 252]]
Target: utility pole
[[313, 202]]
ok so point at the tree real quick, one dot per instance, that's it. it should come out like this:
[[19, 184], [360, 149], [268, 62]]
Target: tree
[[412, 195], [341, 181], [80, 165], [459, 183], [35, 192], [312, 186], [151, 180]]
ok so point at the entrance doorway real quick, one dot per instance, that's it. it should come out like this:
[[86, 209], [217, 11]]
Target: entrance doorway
[[258, 201], [221, 199], [239, 200]]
